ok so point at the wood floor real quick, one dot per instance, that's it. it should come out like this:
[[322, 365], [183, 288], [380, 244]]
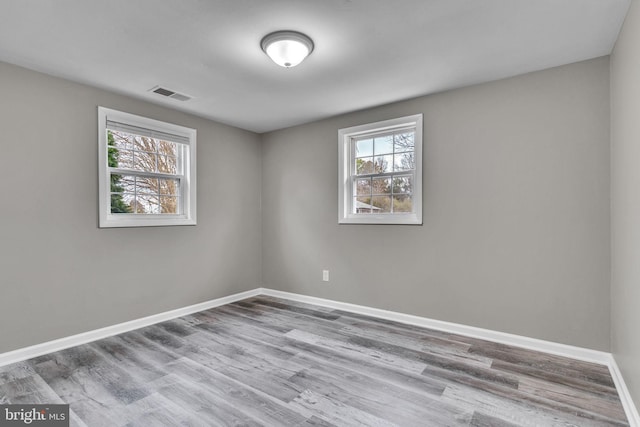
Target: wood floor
[[271, 362]]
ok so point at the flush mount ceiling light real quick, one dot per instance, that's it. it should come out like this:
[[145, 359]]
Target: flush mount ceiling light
[[287, 48]]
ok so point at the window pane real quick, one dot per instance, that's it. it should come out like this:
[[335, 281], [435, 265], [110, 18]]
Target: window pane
[[168, 205], [127, 182], [381, 204], [135, 207], [404, 161], [120, 140], [144, 161], [383, 164], [402, 184], [144, 143], [383, 145], [402, 204], [404, 142], [121, 159], [364, 166], [381, 185], [120, 204], [147, 204], [168, 164], [168, 187], [168, 148], [146, 185], [363, 205], [116, 184], [363, 187], [364, 148]]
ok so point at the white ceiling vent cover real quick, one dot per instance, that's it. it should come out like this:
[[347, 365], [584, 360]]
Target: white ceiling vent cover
[[170, 93]]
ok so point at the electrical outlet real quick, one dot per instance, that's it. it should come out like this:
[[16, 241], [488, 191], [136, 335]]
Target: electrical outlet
[[325, 275]]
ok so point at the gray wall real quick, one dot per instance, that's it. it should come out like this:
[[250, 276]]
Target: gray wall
[[516, 220], [59, 273], [625, 202], [516, 210]]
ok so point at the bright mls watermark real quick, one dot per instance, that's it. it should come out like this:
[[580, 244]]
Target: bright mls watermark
[[34, 415]]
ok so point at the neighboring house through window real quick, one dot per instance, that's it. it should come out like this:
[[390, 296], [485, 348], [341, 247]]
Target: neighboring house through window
[[380, 172], [147, 171]]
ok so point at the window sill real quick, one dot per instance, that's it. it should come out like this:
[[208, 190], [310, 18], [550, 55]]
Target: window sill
[[410, 219], [125, 220]]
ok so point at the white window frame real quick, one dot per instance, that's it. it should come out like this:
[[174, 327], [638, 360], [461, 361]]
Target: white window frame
[[187, 215], [346, 173]]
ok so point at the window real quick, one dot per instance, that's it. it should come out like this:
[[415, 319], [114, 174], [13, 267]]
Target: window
[[380, 172], [147, 171]]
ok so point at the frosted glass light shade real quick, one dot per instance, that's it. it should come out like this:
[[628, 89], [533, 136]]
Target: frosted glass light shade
[[287, 48]]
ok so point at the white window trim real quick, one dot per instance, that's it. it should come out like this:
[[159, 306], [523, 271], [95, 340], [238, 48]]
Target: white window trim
[[188, 187], [345, 189]]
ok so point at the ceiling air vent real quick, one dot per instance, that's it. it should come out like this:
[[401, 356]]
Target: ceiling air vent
[[170, 93]]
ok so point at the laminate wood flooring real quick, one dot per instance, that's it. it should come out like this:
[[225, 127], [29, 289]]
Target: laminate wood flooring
[[271, 362]]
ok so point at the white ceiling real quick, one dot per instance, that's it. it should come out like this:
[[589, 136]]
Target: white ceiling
[[367, 52]]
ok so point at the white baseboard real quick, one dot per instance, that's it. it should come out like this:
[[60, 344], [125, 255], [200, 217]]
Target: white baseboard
[[97, 334], [573, 352], [623, 392]]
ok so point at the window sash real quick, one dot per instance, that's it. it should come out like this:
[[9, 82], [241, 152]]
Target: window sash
[[180, 196], [182, 151], [353, 140], [354, 193]]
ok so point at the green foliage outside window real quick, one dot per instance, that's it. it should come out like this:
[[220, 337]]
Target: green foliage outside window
[[118, 205]]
